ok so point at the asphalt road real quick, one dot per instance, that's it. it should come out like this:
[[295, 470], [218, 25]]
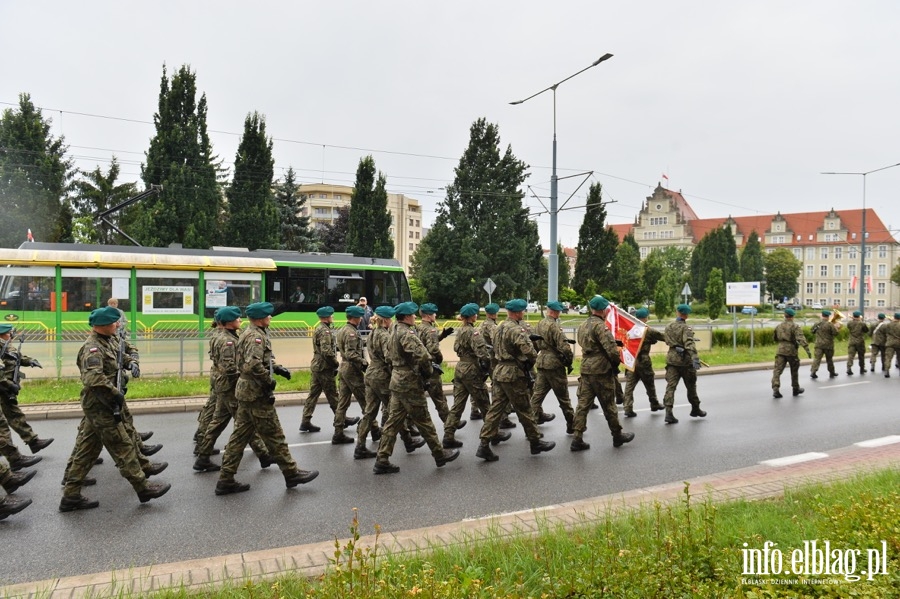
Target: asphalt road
[[745, 425]]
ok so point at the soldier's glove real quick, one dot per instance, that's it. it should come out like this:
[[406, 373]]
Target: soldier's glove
[[620, 343], [570, 341], [334, 373], [534, 337], [36, 364], [365, 366], [445, 332], [679, 350], [271, 399], [569, 369], [272, 384], [281, 370], [808, 353], [136, 370], [436, 369], [696, 363], [118, 398]]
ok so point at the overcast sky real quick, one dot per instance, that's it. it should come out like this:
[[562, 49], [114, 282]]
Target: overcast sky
[[742, 104]]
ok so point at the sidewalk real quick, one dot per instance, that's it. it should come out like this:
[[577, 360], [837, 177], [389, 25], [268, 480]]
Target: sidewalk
[[755, 482]]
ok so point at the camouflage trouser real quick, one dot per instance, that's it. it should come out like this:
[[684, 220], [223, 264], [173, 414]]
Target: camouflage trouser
[[256, 417], [129, 432], [780, 362], [128, 423], [15, 419], [5, 472], [603, 387], [378, 397], [889, 353], [555, 379], [854, 350], [642, 373], [8, 449], [98, 430], [675, 374], [516, 395], [205, 416], [464, 385], [877, 350], [226, 409], [435, 391], [351, 386], [320, 382], [828, 353], [403, 404]]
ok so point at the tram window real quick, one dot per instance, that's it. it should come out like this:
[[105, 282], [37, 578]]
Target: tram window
[[345, 286], [389, 288], [307, 286]]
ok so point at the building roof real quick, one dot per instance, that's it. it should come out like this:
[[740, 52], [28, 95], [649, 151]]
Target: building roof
[[680, 203], [622, 230]]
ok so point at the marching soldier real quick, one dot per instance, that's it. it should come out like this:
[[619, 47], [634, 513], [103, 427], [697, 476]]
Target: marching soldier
[[471, 371], [682, 362], [487, 328], [555, 357], [879, 340], [11, 481], [825, 332], [9, 391], [790, 337], [856, 345], [323, 369], [102, 425], [431, 338], [515, 356], [411, 366], [599, 370], [256, 405], [891, 343], [352, 373], [643, 368], [209, 408]]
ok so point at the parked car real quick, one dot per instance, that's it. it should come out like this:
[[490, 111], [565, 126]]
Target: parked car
[[817, 306], [780, 306], [748, 310], [583, 309], [532, 307]]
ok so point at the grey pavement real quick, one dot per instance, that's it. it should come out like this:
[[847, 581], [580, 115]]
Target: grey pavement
[[754, 482]]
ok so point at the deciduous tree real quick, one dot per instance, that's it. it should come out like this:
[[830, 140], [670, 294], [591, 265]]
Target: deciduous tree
[[782, 272], [626, 275]]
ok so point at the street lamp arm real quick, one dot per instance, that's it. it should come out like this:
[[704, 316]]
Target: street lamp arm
[[606, 56]]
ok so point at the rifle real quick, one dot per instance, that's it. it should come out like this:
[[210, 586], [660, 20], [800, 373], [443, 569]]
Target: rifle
[[271, 397], [14, 384], [120, 381]]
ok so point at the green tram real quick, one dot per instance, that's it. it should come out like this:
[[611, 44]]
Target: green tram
[[48, 289]]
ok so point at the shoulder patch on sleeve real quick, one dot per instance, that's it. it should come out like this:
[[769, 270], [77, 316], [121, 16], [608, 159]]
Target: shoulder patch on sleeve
[[257, 340], [475, 334], [94, 350], [229, 343]]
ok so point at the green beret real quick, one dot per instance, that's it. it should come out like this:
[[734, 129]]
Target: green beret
[[881, 316], [826, 312], [406, 308], [468, 310], [857, 313], [642, 313], [260, 310], [492, 308], [324, 311], [428, 309], [683, 309], [227, 314], [5, 328], [598, 302], [516, 305], [355, 312], [897, 315], [384, 311], [789, 312], [104, 316], [555, 306]]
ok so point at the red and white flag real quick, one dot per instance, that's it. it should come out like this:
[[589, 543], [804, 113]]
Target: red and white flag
[[852, 283], [30, 236], [629, 330], [869, 284], [665, 176]]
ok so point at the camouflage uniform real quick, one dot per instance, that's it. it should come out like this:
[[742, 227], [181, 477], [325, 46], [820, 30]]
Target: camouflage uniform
[[825, 333], [9, 404], [8, 449], [879, 341], [209, 408], [377, 380], [515, 354], [224, 375], [430, 336], [789, 336], [323, 369], [643, 372], [599, 368], [487, 329], [856, 346], [410, 366], [891, 345], [471, 371], [98, 363], [681, 365], [256, 405], [555, 355], [352, 373]]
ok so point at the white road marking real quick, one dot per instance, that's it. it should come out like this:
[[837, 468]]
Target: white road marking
[[299, 444], [794, 459], [879, 442], [844, 385]]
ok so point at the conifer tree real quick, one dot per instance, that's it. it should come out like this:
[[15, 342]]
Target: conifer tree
[[370, 221], [596, 244], [254, 219], [295, 232]]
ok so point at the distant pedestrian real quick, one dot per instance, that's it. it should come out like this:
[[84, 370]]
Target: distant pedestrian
[[682, 363], [825, 332], [789, 337], [643, 368], [363, 324], [856, 344]]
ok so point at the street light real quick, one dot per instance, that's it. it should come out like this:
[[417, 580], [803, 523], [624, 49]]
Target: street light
[[553, 266], [862, 245]]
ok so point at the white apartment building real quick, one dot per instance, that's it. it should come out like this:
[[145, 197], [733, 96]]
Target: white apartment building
[[826, 242], [324, 201]]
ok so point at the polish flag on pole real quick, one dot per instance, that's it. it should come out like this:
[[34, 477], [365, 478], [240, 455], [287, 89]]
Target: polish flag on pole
[[665, 176], [627, 329], [30, 236], [853, 283], [869, 284]]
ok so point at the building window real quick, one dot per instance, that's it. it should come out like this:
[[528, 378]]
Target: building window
[[809, 288], [809, 302], [851, 302], [417, 223], [644, 252], [659, 220], [809, 271], [667, 234], [838, 271], [837, 288], [831, 225], [868, 252], [410, 247], [322, 196], [798, 253], [838, 251], [881, 288], [851, 270], [411, 221], [831, 237], [823, 271], [410, 234], [851, 252], [338, 196], [823, 288], [649, 234], [810, 253], [823, 253], [867, 271], [882, 251], [882, 270]]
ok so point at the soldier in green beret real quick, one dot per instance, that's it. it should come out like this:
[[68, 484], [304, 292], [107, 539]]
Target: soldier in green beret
[[471, 371], [256, 405], [643, 368], [555, 357], [856, 344], [205, 416], [9, 392], [892, 344], [102, 425], [411, 364], [352, 374], [11, 481], [879, 340], [487, 329], [682, 362], [323, 369], [825, 332], [431, 337], [789, 337]]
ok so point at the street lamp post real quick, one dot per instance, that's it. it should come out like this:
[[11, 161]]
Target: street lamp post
[[862, 245], [553, 266]]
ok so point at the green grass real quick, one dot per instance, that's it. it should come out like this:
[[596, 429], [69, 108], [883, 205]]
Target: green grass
[[690, 548]]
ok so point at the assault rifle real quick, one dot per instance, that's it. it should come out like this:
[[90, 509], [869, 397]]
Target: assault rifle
[[13, 385], [120, 382]]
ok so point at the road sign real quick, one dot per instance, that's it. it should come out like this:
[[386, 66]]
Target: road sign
[[489, 286], [686, 290]]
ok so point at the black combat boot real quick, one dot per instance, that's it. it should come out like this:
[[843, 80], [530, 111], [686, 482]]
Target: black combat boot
[[351, 421], [363, 453], [204, 464], [475, 415], [696, 412], [87, 481], [385, 468], [299, 477], [622, 438], [149, 450], [156, 467], [153, 491], [375, 432], [484, 452], [265, 461], [461, 424], [18, 479], [451, 443], [446, 456], [507, 423], [630, 413], [227, 487], [78, 502], [545, 417], [414, 444], [37, 444], [500, 437], [655, 406], [341, 439], [670, 417], [145, 436], [777, 394], [537, 446], [23, 461], [798, 391], [308, 427], [578, 444], [11, 505]]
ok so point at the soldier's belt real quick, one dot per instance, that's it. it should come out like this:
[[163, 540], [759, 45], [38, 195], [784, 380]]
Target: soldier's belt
[[469, 360]]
